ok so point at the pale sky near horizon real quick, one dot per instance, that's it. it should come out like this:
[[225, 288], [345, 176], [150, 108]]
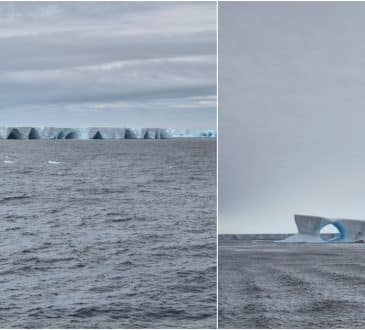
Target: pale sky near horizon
[[108, 64], [291, 113]]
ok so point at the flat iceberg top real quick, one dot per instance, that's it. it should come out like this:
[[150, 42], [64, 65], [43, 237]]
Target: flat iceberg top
[[62, 133]]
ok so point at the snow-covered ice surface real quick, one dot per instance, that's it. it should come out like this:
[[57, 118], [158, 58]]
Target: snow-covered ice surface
[[263, 284]]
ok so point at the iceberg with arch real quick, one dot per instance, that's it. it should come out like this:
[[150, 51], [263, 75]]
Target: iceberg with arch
[[100, 133], [309, 228]]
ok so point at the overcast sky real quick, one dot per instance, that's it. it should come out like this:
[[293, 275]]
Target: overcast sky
[[108, 64], [291, 113]]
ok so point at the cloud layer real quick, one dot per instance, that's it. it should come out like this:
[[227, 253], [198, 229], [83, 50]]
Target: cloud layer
[[291, 113], [132, 64]]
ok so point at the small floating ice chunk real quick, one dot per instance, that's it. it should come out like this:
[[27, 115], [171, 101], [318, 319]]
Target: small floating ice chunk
[[8, 161], [53, 162]]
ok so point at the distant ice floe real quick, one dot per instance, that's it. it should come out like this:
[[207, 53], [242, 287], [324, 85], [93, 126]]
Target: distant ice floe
[[100, 133], [53, 162]]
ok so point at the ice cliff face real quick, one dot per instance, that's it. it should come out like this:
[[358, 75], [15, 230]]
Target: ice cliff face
[[54, 133], [309, 228]]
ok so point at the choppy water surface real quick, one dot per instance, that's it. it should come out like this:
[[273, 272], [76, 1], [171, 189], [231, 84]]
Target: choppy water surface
[[264, 284], [117, 234]]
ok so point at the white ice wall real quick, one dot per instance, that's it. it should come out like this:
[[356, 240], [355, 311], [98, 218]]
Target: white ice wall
[[309, 228], [57, 133]]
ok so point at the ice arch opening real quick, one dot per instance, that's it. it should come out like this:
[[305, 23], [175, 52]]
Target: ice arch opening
[[130, 134], [331, 232], [33, 134], [97, 136], [165, 134], [14, 134], [149, 135], [71, 135]]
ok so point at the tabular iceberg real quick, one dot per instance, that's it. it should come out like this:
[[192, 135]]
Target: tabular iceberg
[[55, 133], [309, 228]]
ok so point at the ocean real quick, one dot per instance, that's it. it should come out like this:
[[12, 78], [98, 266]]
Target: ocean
[[108, 234], [266, 284]]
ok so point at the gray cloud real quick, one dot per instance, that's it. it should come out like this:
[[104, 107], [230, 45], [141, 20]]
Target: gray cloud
[[127, 60], [291, 113]]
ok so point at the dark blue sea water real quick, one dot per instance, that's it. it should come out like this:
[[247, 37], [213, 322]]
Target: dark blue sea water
[[117, 234]]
